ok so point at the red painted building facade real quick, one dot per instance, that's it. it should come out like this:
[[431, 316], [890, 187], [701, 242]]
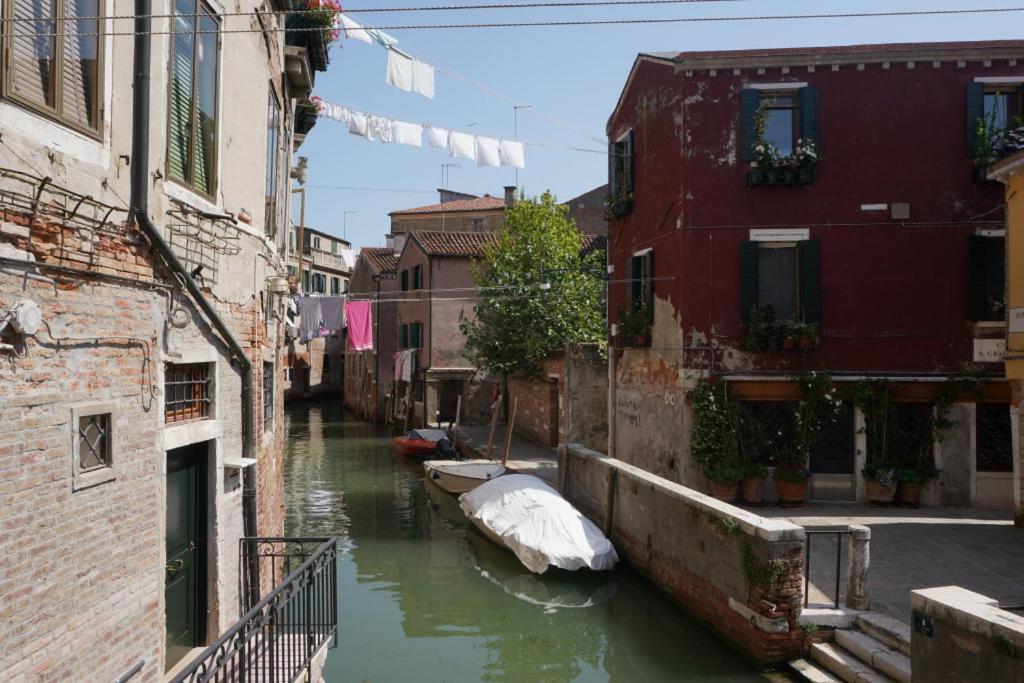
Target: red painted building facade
[[886, 251]]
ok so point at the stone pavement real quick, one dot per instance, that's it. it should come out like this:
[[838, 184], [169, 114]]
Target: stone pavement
[[979, 550], [525, 457]]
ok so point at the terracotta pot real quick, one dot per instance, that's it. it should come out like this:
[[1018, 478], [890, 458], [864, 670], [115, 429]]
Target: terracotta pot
[[726, 492], [910, 494], [806, 344], [791, 493], [752, 489], [879, 494], [788, 344]]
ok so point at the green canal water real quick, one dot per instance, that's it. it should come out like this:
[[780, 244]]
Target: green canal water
[[424, 597]]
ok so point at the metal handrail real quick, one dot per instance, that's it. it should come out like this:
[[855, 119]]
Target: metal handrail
[[809, 533], [278, 638]]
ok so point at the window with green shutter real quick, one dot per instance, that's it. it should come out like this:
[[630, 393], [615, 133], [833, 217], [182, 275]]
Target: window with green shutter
[[641, 299], [789, 117], [416, 335], [986, 278], [403, 336], [192, 97], [785, 276], [56, 72]]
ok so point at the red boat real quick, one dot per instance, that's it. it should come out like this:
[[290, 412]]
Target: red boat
[[417, 442]]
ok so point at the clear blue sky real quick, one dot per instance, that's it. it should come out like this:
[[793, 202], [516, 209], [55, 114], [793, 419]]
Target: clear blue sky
[[573, 74]]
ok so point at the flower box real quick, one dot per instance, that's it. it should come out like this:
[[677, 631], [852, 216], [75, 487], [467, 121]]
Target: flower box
[[761, 177], [616, 207], [301, 33], [305, 119]]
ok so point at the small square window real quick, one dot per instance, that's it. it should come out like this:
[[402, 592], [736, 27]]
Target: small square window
[[93, 440], [478, 225], [187, 392]]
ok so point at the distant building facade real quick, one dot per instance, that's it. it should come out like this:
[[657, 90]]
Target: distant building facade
[[369, 375]]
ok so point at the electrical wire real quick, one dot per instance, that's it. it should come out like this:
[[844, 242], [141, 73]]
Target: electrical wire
[[414, 296], [367, 189], [581, 22]]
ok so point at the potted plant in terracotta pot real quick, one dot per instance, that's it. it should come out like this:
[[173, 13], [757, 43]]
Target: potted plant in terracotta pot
[[713, 441], [817, 407], [880, 481], [791, 484], [913, 479], [752, 483]]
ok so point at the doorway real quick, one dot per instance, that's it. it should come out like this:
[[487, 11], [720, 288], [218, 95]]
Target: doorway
[[449, 400], [185, 539]]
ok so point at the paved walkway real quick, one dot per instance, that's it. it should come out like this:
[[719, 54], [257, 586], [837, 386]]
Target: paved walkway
[[525, 457], [979, 550]]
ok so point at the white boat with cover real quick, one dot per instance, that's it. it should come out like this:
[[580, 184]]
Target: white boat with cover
[[536, 523], [459, 476]]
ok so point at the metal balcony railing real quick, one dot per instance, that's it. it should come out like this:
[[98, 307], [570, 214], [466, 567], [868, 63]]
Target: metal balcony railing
[[279, 636]]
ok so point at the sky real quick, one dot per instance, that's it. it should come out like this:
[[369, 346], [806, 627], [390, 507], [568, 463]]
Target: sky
[[571, 78]]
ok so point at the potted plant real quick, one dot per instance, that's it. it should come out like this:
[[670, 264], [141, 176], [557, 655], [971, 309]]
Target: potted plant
[[306, 113], [713, 441], [880, 480], [913, 478], [724, 478], [752, 483], [635, 327], [791, 484]]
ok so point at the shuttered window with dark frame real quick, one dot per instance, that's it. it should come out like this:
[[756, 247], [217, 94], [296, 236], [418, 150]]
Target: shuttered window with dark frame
[[268, 396], [415, 335], [417, 277], [1001, 105], [786, 276], [192, 97], [641, 284], [403, 336], [792, 115], [622, 166], [57, 75], [986, 278], [405, 280], [994, 450], [273, 124]]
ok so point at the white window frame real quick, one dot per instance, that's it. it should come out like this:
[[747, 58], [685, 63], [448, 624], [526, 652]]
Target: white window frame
[[82, 480]]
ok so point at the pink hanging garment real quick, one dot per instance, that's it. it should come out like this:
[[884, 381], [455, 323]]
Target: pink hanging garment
[[360, 325]]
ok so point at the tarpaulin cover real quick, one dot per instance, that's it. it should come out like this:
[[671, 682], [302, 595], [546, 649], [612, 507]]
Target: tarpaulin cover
[[434, 435], [538, 525]]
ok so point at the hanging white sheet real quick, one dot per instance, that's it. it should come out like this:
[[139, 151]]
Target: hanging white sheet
[[423, 78], [357, 124], [487, 152], [380, 128], [462, 145], [354, 31], [408, 133], [438, 137], [399, 70], [513, 153]]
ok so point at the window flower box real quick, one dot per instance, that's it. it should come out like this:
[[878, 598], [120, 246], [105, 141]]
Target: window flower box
[[762, 177], [305, 117], [617, 206]]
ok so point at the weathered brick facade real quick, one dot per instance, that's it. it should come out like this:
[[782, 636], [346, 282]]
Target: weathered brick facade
[[540, 410]]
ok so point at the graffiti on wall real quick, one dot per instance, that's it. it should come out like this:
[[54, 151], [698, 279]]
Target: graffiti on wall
[[628, 410]]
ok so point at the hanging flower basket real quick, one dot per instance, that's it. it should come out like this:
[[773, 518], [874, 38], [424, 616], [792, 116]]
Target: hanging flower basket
[[305, 117]]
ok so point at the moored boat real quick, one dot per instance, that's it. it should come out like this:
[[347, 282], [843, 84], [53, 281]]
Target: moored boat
[[535, 522], [459, 476], [418, 442]]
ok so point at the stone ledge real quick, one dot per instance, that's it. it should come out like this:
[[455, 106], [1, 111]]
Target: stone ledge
[[759, 621]]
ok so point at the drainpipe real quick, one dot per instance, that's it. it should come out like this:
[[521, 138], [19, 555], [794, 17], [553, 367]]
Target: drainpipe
[[140, 212]]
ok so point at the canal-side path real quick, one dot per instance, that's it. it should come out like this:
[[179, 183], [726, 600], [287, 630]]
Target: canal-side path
[[525, 456]]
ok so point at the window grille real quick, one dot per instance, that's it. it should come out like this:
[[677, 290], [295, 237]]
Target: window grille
[[268, 396], [994, 441], [187, 394], [93, 442], [908, 432]]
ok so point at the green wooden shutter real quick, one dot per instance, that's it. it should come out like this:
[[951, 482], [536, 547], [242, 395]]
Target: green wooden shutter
[[975, 111], [649, 285], [405, 280], [403, 336], [810, 280], [750, 101], [809, 113], [180, 98], [630, 163], [613, 167], [416, 335], [636, 283], [748, 278], [976, 277]]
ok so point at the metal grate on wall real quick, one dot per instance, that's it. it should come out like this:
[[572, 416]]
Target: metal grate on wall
[[199, 240], [994, 438], [188, 391]]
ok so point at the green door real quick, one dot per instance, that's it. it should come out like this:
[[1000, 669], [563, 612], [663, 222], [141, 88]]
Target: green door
[[185, 581]]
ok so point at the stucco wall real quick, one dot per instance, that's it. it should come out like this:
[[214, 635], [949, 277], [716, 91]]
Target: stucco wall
[[738, 572], [448, 310], [586, 397]]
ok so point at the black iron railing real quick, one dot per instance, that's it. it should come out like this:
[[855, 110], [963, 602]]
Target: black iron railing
[[280, 635], [838, 533]]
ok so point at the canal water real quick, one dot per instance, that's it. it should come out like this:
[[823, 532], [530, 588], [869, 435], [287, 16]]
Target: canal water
[[423, 596]]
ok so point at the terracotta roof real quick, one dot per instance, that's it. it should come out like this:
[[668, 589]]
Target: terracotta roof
[[383, 259], [453, 243], [485, 203], [864, 50]]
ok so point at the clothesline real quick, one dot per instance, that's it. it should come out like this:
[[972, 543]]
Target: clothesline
[[486, 151]]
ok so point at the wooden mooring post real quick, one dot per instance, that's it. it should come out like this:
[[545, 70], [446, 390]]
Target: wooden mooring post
[[508, 434], [609, 501], [494, 423]]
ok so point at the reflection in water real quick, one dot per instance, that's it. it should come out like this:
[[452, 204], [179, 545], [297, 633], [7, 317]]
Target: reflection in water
[[425, 596]]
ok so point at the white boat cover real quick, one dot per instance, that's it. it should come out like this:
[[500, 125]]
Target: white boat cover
[[471, 469], [538, 525], [432, 435]]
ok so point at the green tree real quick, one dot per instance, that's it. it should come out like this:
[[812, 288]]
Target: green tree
[[536, 292]]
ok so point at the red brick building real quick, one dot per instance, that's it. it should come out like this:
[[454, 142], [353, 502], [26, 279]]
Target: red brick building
[[874, 242]]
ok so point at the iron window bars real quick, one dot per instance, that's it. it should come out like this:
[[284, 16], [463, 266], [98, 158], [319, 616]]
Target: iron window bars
[[187, 394]]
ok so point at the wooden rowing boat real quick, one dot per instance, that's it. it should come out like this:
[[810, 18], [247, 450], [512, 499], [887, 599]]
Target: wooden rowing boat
[[402, 445], [459, 476]]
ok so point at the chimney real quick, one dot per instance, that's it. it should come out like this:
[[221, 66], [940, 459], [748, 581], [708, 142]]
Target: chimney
[[510, 196], [447, 195], [396, 243]]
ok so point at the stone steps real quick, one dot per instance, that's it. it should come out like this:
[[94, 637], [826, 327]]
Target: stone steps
[[845, 665], [892, 663], [873, 648], [804, 670], [889, 631]]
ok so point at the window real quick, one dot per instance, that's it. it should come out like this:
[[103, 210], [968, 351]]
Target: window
[[268, 396], [994, 440], [417, 277], [415, 335], [1003, 106], [305, 281], [783, 275], [403, 336], [621, 167], [334, 247], [59, 76], [986, 278], [405, 280], [192, 99], [478, 224], [335, 285], [291, 240], [273, 123], [187, 392], [789, 116], [92, 445], [641, 284], [319, 283], [316, 243], [288, 374], [999, 106]]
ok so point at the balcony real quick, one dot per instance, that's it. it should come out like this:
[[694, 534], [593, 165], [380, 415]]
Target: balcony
[[300, 32], [284, 635], [325, 259]]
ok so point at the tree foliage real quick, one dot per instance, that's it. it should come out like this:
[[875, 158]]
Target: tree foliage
[[520, 319]]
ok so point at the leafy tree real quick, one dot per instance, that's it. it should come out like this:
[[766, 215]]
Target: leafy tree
[[537, 292]]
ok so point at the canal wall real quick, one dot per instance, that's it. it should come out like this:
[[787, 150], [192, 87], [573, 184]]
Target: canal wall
[[738, 572]]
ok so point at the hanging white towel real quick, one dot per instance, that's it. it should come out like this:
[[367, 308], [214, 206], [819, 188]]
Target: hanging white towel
[[487, 153], [380, 128], [353, 30], [462, 145], [408, 133], [438, 137], [336, 112], [382, 38], [357, 124], [513, 153], [399, 70], [423, 78]]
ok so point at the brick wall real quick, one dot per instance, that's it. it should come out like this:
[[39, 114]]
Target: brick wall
[[538, 418]]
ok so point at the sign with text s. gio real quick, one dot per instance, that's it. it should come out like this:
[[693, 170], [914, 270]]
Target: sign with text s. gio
[[1016, 320], [989, 350]]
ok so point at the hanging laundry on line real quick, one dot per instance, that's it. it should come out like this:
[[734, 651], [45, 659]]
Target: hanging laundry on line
[[409, 74], [354, 31], [360, 325]]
